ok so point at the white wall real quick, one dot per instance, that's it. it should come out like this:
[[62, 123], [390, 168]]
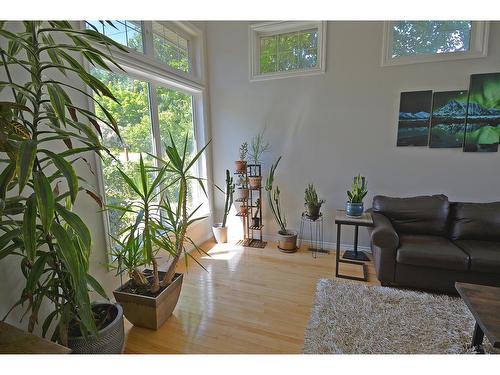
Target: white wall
[[331, 127]]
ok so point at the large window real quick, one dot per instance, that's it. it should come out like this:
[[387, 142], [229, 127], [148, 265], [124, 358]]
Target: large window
[[140, 134], [283, 49], [153, 102], [424, 41]]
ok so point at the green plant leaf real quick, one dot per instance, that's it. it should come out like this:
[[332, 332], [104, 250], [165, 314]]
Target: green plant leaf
[[45, 199], [29, 227], [5, 178], [75, 222], [94, 284], [58, 102], [25, 161], [36, 272], [68, 172]]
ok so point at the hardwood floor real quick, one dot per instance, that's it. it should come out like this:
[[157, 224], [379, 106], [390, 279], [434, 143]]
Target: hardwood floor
[[250, 301]]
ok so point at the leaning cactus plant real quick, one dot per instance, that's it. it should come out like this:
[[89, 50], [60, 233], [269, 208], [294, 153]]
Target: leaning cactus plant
[[358, 190], [229, 196], [273, 195]]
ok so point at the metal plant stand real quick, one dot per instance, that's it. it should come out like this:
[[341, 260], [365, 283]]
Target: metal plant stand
[[315, 233], [252, 220]]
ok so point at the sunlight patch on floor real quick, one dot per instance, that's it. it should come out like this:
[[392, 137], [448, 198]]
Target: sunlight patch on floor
[[223, 251]]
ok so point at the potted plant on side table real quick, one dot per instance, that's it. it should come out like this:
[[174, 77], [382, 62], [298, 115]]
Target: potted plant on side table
[[150, 296], [287, 238], [38, 186], [312, 203], [354, 205], [220, 229]]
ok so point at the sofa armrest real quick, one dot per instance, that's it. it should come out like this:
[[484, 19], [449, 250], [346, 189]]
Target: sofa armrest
[[382, 233], [384, 245]]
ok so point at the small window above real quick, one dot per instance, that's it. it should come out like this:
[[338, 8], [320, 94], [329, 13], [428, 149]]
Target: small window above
[[407, 42], [128, 33], [170, 47], [283, 49]]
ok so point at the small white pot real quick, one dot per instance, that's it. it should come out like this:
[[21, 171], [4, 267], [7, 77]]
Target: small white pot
[[220, 233]]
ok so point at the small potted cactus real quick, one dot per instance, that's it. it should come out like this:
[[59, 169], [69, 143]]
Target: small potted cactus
[[220, 229], [241, 165], [312, 203], [354, 205]]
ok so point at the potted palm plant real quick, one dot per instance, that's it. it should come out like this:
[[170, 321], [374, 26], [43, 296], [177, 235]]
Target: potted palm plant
[[287, 241], [312, 203], [354, 204], [150, 296], [220, 229], [241, 164], [38, 186]]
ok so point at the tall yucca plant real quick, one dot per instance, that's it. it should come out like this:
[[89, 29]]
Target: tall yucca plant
[[37, 223], [159, 225]]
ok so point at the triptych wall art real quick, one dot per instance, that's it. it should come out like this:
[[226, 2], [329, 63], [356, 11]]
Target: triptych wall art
[[453, 119]]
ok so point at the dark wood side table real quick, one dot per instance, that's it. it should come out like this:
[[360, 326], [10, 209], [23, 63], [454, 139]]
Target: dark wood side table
[[484, 304], [364, 220], [15, 341]]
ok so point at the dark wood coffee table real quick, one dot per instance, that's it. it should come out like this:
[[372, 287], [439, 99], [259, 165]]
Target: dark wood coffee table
[[484, 304]]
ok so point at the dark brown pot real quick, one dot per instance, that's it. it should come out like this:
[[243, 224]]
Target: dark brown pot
[[240, 165], [150, 312]]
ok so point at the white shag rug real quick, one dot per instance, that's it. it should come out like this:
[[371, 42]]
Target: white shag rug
[[352, 318]]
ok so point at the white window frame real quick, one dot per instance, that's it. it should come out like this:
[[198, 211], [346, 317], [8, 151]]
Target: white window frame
[[478, 47], [143, 66], [257, 30]]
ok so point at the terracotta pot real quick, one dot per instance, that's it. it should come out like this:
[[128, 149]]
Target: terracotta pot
[[220, 233], [287, 241], [243, 210], [150, 312], [241, 194], [255, 182], [240, 165]]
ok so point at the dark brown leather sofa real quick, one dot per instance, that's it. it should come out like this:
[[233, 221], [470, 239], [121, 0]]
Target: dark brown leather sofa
[[427, 242]]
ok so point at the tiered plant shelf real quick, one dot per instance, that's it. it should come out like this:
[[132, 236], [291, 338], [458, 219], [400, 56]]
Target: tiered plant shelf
[[252, 219]]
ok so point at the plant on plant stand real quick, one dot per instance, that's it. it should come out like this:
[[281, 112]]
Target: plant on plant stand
[[160, 225], [312, 203], [354, 204], [287, 238], [220, 229], [257, 148], [241, 165], [242, 191], [38, 225]]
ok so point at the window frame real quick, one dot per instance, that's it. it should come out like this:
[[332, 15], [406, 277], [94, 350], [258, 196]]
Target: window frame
[[257, 30], [478, 47], [142, 67]]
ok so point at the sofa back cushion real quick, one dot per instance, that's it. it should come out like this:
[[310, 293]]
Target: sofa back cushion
[[415, 215], [475, 221]]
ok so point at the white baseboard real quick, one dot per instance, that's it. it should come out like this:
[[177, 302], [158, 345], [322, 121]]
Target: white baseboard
[[326, 245]]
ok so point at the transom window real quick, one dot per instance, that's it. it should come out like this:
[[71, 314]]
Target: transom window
[[167, 43], [424, 41], [170, 47], [128, 33], [282, 49]]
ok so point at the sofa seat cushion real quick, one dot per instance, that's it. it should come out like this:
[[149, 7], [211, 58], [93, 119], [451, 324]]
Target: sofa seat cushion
[[484, 255], [431, 251], [415, 215], [475, 221]]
